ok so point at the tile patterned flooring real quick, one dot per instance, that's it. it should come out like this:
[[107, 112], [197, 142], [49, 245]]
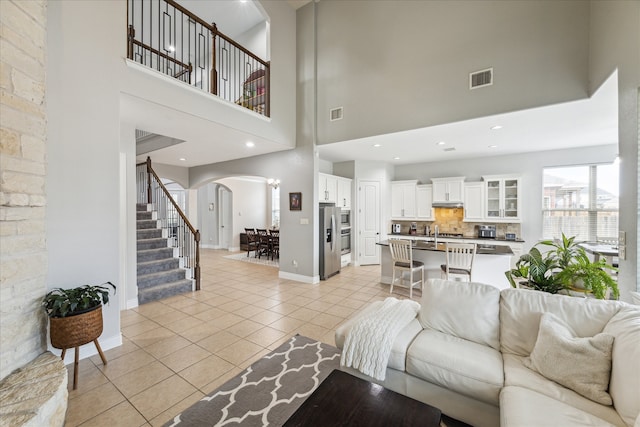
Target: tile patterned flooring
[[177, 350]]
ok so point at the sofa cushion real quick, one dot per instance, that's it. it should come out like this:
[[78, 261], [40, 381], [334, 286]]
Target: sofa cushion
[[581, 364], [462, 309], [516, 374], [521, 407], [463, 366], [398, 355], [520, 311], [625, 371]]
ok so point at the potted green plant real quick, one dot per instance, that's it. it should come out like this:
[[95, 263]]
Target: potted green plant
[[565, 267], [582, 273], [536, 271], [70, 302], [75, 318]]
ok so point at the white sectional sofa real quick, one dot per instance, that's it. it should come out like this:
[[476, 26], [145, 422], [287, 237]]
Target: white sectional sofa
[[469, 353]]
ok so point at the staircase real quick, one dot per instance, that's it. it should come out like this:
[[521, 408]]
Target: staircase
[[159, 272]]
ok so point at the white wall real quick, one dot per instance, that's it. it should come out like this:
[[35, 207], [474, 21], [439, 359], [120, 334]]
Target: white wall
[[84, 181], [250, 201]]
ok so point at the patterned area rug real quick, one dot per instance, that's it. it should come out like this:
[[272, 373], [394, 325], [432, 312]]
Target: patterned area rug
[[268, 392], [251, 259]]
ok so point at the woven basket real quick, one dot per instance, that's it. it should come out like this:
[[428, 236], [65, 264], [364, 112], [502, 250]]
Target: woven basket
[[74, 331]]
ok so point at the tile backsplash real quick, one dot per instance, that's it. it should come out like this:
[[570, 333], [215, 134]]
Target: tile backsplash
[[450, 220]]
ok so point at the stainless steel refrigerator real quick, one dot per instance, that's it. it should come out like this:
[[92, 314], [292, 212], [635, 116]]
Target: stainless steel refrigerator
[[330, 249]]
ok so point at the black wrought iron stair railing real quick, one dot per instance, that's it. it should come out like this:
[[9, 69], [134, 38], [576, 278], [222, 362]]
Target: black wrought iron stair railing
[[174, 223], [167, 37]]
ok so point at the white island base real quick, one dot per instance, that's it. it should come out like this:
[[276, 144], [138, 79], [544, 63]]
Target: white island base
[[487, 268]]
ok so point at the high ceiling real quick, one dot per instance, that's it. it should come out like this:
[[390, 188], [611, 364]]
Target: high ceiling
[[587, 122]]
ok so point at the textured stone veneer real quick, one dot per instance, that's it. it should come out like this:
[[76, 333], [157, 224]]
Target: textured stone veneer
[[36, 394]]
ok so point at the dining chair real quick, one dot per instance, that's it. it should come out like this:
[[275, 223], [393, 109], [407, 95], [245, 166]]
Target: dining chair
[[403, 262], [459, 260], [275, 243], [252, 240], [263, 242]]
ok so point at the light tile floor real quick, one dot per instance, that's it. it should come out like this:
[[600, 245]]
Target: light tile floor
[[177, 350]]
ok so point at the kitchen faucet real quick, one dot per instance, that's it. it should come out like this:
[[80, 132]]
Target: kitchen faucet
[[435, 234]]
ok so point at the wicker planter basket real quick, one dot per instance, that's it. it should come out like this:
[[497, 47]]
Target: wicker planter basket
[[77, 330]]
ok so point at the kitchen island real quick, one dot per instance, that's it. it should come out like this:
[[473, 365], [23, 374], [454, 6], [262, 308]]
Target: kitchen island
[[489, 265]]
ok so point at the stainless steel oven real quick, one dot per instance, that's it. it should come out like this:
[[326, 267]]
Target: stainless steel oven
[[345, 240], [345, 218]]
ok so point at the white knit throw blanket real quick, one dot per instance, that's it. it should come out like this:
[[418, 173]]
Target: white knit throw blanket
[[368, 343]]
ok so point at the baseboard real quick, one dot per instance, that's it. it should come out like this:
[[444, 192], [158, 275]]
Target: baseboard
[[132, 303], [298, 277], [203, 246], [89, 350]]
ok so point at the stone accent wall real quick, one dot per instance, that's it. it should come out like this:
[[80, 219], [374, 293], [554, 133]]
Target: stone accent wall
[[23, 255]]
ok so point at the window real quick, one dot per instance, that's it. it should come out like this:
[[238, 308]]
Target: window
[[581, 201], [275, 207]]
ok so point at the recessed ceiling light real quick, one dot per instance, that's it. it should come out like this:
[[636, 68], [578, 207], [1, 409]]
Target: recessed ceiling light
[[440, 143], [396, 158], [493, 146], [250, 144], [377, 145], [171, 48], [496, 127], [182, 159]]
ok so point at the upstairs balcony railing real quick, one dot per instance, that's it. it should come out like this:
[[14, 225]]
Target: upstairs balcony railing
[[167, 37]]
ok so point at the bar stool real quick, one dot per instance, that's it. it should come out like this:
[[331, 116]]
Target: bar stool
[[459, 260], [402, 255]]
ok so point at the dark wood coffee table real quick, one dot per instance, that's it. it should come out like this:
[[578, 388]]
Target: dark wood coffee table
[[345, 400]]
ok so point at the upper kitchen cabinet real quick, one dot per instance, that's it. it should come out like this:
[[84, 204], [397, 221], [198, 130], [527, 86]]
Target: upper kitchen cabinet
[[474, 201], [327, 188], [502, 198], [344, 193], [403, 199], [424, 198], [448, 190]]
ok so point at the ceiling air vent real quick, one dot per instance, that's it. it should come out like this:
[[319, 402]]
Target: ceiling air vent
[[335, 114], [481, 78], [450, 149]]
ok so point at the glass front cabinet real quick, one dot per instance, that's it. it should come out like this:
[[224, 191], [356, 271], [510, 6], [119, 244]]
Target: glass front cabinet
[[502, 198]]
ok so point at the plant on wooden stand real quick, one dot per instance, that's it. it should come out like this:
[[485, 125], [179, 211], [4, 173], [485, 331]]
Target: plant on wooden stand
[[75, 318]]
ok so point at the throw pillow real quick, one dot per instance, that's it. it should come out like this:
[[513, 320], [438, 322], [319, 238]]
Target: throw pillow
[[580, 364]]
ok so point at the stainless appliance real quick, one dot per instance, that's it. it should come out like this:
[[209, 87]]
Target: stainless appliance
[[345, 218], [345, 241], [395, 228], [487, 231], [329, 241], [510, 236]]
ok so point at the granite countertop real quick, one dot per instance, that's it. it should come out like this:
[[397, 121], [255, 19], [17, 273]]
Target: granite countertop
[[481, 249], [431, 236]]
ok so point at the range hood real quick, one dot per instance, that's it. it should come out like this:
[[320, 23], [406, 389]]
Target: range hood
[[449, 205]]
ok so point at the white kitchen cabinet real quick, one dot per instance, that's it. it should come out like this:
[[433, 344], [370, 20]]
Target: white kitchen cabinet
[[502, 198], [403, 199], [473, 201], [344, 193], [424, 198], [327, 188], [448, 190]]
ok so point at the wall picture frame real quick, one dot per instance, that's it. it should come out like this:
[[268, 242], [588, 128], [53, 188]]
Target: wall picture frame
[[295, 201]]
